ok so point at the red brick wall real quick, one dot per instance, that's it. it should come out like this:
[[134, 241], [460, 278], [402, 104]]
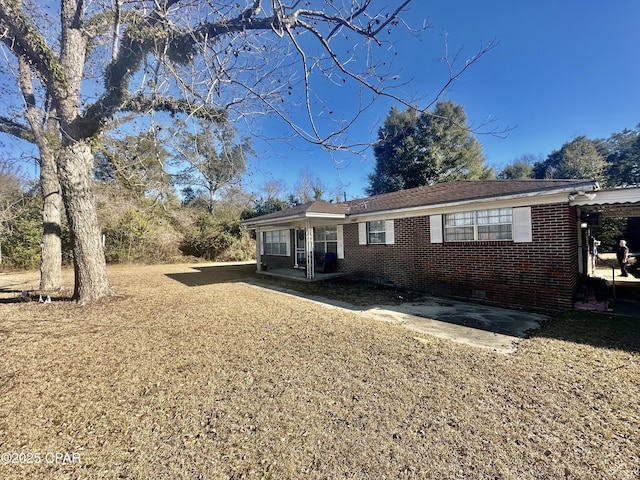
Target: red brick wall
[[542, 274]]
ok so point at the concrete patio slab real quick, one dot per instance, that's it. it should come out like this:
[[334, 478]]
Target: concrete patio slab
[[493, 328]]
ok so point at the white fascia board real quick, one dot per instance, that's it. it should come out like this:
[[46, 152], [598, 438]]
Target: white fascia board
[[281, 222], [328, 216], [516, 200]]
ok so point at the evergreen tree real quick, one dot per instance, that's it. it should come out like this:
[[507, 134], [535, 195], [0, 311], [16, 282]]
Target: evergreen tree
[[579, 158], [415, 149], [624, 158]]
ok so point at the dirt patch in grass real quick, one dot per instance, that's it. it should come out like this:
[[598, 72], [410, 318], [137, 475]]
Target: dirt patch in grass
[[219, 379]]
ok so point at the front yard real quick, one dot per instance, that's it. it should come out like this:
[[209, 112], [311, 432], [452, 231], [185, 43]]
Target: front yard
[[193, 375]]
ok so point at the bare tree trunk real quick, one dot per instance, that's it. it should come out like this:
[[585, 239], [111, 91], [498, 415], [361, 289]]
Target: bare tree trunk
[[51, 244], [51, 253], [74, 171], [211, 200]]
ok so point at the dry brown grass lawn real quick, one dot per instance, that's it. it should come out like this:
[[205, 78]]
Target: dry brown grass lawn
[[194, 376]]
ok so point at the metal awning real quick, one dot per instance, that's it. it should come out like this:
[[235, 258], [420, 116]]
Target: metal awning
[[616, 202]]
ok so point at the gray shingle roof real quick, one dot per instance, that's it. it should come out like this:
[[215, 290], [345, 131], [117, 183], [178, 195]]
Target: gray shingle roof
[[460, 191], [463, 190], [309, 207]]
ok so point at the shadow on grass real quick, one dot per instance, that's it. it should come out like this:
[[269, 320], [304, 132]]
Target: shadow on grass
[[601, 330], [209, 275], [356, 293], [598, 329], [29, 297]]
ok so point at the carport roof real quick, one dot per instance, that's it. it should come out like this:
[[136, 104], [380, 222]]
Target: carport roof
[[615, 202], [306, 210]]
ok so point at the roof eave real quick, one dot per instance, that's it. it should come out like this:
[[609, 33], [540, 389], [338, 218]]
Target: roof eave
[[292, 218]]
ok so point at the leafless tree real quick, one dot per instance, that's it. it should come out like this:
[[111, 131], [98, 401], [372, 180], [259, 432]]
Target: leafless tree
[[39, 127], [214, 60], [309, 187], [210, 158]]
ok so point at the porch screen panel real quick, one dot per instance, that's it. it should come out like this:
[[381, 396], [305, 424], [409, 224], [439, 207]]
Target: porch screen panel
[[326, 240]]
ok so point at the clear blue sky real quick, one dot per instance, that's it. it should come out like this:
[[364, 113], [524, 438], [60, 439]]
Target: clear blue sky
[[562, 68]]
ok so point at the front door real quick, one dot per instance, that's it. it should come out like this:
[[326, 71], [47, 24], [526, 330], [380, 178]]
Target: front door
[[301, 257]]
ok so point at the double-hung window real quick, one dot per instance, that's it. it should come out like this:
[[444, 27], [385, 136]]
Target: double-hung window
[[276, 242], [376, 232], [492, 224], [325, 239]]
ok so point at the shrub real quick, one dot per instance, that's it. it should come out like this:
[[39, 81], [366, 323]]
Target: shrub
[[21, 240], [219, 237], [139, 236]]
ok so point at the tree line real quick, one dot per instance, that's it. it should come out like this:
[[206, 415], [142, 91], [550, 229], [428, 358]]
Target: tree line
[[78, 73], [219, 63], [423, 148]]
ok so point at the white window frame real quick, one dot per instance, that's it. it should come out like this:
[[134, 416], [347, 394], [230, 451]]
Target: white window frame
[[282, 240], [320, 235], [376, 232], [476, 224], [364, 231]]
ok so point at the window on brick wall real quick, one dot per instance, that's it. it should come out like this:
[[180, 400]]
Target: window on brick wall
[[492, 224], [276, 242], [376, 232]]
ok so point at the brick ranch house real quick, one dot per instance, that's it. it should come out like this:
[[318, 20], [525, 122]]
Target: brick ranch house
[[512, 242]]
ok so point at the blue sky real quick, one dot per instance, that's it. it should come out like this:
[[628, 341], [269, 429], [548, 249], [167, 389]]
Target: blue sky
[[561, 68]]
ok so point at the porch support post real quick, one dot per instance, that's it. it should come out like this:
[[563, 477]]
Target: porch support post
[[309, 246], [258, 250]]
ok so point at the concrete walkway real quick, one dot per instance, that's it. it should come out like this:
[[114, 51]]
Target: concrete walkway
[[491, 328]]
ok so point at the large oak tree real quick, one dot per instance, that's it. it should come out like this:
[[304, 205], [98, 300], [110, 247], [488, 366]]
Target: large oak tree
[[204, 59]]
